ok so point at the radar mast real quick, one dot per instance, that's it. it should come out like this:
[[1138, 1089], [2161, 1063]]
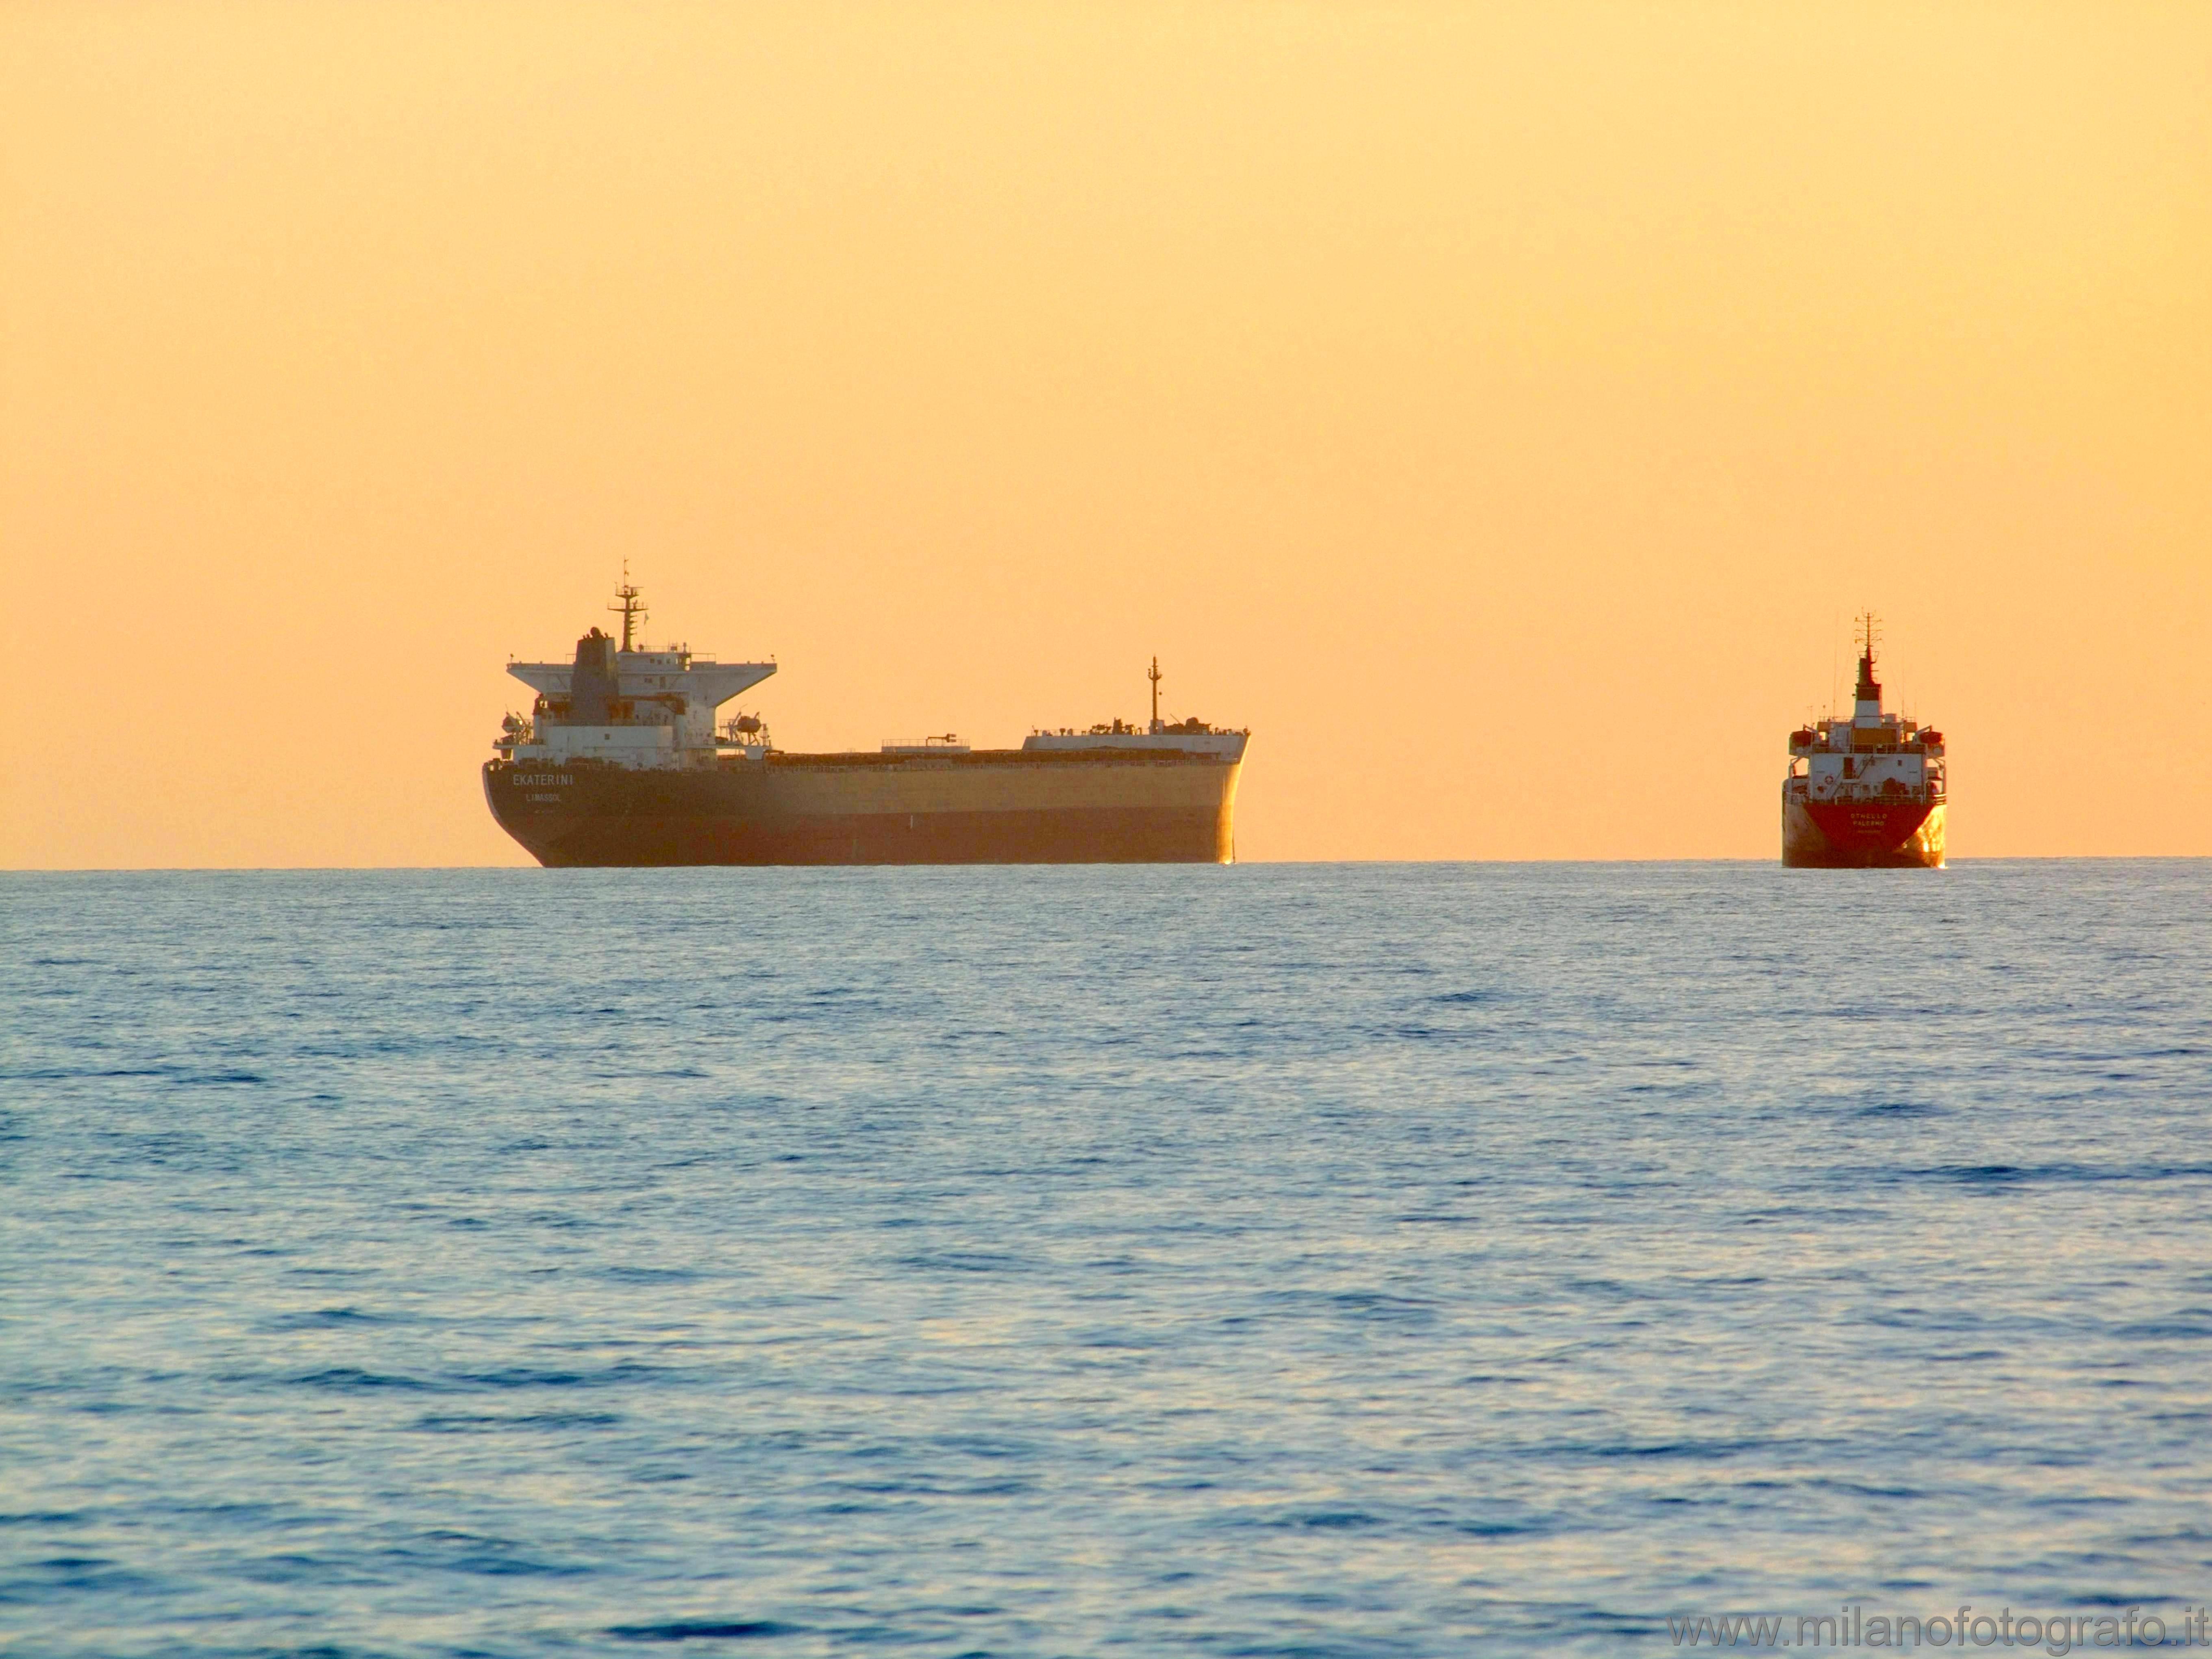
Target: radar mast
[[631, 605], [1869, 689]]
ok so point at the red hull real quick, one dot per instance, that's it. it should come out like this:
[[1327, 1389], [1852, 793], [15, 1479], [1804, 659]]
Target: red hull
[[1860, 826], [1860, 834]]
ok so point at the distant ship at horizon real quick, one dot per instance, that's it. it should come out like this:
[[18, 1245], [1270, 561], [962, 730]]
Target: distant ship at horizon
[[1868, 792], [620, 762]]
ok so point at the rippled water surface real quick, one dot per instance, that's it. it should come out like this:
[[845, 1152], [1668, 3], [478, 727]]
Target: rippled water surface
[[1332, 1260]]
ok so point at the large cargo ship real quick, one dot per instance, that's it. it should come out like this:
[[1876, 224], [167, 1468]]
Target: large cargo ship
[[1866, 792], [620, 761]]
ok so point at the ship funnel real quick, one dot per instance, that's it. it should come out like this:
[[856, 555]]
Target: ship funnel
[[592, 686]]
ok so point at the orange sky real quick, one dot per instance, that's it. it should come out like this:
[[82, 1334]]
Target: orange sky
[[1499, 408]]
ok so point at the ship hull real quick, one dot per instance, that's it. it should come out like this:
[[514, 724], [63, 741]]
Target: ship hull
[[1004, 807], [1861, 835]]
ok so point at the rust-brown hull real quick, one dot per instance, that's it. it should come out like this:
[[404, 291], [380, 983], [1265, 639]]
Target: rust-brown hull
[[998, 807]]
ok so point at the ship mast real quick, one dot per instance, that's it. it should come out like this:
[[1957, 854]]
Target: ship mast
[[1154, 676], [631, 606], [1868, 697], [1870, 631]]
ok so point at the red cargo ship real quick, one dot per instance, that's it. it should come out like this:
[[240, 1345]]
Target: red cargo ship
[[1866, 792]]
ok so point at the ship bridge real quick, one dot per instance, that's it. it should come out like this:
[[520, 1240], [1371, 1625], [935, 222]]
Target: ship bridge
[[620, 703], [705, 684]]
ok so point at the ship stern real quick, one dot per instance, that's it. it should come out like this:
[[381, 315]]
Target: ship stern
[[1860, 836]]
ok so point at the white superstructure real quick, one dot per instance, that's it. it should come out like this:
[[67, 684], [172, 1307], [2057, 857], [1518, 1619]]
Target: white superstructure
[[1872, 757], [632, 708]]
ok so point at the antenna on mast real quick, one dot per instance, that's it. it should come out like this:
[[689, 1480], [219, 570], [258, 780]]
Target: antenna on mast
[[632, 607], [1869, 689], [1870, 631], [1154, 676]]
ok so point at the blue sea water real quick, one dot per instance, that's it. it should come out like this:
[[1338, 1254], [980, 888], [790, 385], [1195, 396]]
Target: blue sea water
[[1358, 1260]]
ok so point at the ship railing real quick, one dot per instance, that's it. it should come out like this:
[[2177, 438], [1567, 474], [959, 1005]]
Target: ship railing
[[1855, 792]]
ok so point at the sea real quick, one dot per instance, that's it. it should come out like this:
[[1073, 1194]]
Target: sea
[[1326, 1259]]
